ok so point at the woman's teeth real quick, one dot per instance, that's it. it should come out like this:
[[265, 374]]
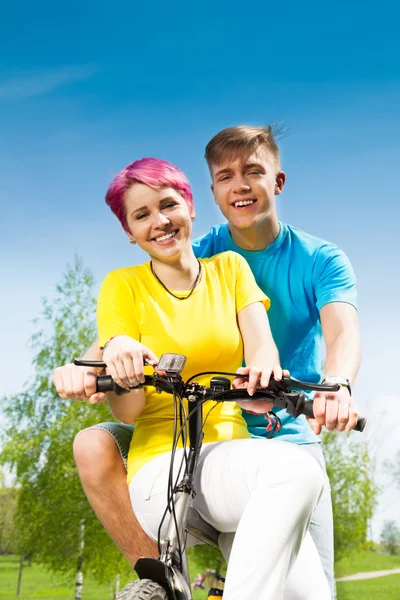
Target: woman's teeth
[[244, 202], [165, 237]]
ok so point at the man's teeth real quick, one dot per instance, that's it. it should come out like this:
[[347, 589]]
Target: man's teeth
[[244, 202], [167, 236]]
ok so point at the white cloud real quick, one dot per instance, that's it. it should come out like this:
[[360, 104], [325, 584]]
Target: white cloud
[[27, 85]]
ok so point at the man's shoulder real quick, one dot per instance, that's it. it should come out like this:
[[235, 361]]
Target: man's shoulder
[[305, 248], [213, 242], [311, 244], [315, 255]]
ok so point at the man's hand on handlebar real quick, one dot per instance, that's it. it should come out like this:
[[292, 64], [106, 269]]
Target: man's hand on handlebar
[[257, 378], [124, 357], [77, 383], [335, 410]]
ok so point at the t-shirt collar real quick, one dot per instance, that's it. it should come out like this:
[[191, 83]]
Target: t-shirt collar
[[254, 254]]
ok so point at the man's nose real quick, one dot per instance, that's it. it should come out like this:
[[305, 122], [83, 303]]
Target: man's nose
[[241, 185]]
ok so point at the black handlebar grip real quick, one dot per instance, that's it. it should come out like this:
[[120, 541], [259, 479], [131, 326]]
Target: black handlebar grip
[[105, 383], [308, 412], [361, 423]]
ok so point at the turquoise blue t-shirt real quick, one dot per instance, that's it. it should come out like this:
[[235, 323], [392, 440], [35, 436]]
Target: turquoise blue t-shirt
[[300, 274]]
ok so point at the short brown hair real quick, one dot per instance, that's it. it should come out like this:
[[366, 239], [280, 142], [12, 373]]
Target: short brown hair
[[242, 141]]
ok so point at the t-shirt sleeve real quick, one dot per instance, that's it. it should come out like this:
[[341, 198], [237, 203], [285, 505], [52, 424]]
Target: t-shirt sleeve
[[116, 309], [333, 277], [247, 290]]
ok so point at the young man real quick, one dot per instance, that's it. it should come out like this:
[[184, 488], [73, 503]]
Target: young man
[[312, 290]]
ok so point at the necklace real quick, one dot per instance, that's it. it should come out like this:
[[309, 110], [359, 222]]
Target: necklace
[[195, 283]]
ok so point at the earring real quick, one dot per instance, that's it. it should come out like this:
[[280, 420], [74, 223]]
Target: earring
[[132, 241], [193, 218]]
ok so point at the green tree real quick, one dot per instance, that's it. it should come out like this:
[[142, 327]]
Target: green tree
[[390, 537], [8, 504], [353, 490], [205, 557], [39, 431]]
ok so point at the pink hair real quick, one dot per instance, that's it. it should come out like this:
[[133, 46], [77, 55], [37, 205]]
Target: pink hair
[[155, 173]]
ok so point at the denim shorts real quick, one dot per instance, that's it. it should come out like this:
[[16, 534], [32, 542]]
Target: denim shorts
[[122, 435]]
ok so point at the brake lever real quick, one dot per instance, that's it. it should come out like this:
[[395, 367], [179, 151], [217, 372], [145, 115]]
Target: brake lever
[[290, 382], [100, 364]]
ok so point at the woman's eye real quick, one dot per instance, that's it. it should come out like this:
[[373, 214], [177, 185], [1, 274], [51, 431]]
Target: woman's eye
[[170, 204], [141, 216]]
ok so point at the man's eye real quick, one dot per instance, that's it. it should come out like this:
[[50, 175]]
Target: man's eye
[[254, 172], [224, 178]]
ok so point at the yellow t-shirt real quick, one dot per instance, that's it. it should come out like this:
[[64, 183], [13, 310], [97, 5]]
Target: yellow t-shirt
[[203, 327]]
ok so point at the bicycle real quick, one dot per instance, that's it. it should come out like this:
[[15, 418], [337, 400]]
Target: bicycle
[[167, 578]]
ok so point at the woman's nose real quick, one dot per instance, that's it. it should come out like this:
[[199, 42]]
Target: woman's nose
[[160, 220]]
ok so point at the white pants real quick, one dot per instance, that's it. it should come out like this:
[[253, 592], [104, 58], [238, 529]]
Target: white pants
[[266, 493]]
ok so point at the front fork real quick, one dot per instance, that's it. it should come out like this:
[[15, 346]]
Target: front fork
[[171, 569]]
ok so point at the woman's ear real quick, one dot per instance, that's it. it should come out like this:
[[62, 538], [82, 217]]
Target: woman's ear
[[130, 236]]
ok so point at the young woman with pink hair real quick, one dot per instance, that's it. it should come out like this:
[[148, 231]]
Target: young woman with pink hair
[[212, 311]]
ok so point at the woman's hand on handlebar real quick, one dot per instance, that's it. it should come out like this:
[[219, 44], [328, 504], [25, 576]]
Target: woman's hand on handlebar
[[124, 357], [77, 383], [257, 378]]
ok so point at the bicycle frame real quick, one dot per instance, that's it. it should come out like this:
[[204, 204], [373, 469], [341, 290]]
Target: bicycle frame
[[171, 569]]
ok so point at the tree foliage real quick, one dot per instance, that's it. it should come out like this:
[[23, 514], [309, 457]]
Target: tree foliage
[[39, 431], [8, 504], [390, 537], [206, 557], [353, 490]]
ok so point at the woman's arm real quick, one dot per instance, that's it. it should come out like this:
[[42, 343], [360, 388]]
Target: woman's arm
[[124, 357], [261, 355], [260, 352], [128, 407], [118, 330]]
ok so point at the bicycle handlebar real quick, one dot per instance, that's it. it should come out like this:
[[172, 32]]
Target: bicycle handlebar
[[278, 392]]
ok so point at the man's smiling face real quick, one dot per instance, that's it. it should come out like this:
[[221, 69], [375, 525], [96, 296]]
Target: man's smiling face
[[245, 188]]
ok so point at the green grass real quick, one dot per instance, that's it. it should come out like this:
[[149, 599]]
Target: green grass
[[40, 584], [381, 588], [363, 562]]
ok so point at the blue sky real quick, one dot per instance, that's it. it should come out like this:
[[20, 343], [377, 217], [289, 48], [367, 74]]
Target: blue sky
[[86, 88]]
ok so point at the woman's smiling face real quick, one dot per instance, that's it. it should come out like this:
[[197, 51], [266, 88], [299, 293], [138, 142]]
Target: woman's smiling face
[[159, 219]]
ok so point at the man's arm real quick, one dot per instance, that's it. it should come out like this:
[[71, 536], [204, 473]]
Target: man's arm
[[79, 383], [343, 354]]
